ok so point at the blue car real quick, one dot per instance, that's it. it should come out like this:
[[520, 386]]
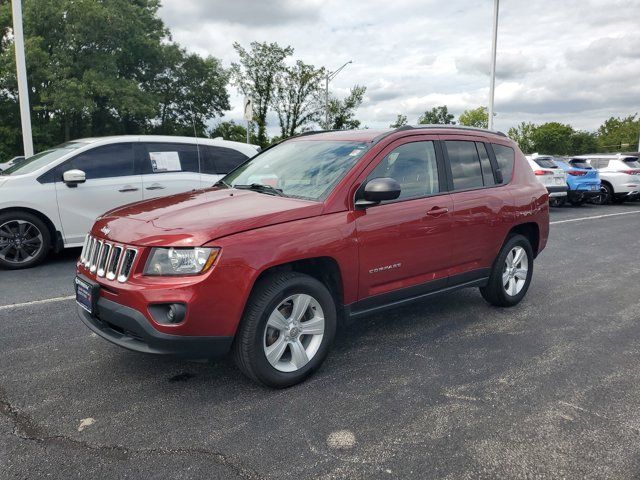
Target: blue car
[[583, 180]]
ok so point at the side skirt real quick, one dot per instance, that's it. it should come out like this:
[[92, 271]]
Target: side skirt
[[386, 301]]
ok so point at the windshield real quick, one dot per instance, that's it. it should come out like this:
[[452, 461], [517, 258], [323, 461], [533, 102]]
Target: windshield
[[306, 169], [41, 159], [546, 162], [632, 162], [580, 163]]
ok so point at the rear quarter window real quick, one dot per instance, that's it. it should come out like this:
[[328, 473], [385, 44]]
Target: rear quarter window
[[505, 157]]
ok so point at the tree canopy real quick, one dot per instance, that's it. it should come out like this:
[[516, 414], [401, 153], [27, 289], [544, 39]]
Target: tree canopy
[[437, 116], [476, 117]]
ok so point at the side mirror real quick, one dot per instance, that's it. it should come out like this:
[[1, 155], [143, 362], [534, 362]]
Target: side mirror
[[378, 190], [74, 177]]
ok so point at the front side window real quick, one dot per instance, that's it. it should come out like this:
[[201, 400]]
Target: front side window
[[465, 165], [505, 156], [221, 160], [413, 166], [306, 169], [115, 160]]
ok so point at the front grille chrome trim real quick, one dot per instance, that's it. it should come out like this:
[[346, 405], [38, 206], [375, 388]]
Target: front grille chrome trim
[[126, 267]]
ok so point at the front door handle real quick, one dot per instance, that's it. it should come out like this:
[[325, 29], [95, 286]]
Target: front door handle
[[128, 188], [155, 186], [437, 211]]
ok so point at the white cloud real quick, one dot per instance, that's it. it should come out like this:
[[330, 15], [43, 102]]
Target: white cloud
[[574, 61]]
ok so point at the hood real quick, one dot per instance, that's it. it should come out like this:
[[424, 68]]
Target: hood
[[197, 217]]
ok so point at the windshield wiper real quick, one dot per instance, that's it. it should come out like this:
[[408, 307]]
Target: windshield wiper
[[221, 182], [262, 188]]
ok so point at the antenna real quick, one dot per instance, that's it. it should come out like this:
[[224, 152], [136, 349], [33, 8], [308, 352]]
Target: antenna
[[195, 135]]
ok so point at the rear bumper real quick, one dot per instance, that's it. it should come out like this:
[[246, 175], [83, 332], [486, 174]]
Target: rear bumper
[[557, 190], [582, 194], [628, 195], [129, 329]]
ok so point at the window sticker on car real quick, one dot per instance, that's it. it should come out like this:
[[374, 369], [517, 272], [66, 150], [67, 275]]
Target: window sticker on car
[[356, 152], [165, 162]]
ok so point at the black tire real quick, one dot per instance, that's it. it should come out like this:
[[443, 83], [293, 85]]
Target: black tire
[[606, 195], [557, 201], [268, 293], [6, 251], [495, 292]]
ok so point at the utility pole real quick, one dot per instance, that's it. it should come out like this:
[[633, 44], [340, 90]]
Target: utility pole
[[21, 74], [494, 41], [330, 76]]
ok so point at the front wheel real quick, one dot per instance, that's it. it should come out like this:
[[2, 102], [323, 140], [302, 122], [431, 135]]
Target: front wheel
[[24, 240], [511, 274], [287, 329]]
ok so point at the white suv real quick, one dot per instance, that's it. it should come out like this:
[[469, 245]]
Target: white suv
[[51, 200], [551, 176], [619, 174]]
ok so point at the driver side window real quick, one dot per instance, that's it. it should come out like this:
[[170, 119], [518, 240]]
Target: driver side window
[[116, 160], [413, 166]]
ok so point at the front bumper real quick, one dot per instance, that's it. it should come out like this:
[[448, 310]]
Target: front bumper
[[129, 329], [557, 190]]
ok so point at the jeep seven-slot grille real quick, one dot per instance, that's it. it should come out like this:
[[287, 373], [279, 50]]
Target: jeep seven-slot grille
[[107, 259]]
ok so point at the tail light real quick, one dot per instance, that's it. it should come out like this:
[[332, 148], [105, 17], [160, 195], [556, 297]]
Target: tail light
[[631, 172], [542, 172], [576, 173]]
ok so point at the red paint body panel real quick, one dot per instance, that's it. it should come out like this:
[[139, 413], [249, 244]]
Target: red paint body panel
[[256, 232]]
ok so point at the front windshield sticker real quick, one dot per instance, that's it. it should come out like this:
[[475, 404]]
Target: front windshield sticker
[[165, 162], [356, 152]]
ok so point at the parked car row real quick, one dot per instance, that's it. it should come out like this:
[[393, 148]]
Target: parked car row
[[597, 178], [50, 200]]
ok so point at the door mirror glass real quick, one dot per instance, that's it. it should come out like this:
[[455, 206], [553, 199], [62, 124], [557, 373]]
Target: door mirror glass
[[73, 177], [378, 190]]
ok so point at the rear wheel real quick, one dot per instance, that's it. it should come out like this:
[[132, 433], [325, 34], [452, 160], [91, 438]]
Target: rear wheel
[[557, 201], [606, 195], [287, 329], [511, 274], [24, 240]]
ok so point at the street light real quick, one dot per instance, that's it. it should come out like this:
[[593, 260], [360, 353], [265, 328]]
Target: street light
[[330, 76], [494, 41], [21, 74]]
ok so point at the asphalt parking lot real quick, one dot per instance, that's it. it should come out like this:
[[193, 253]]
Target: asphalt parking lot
[[449, 388]]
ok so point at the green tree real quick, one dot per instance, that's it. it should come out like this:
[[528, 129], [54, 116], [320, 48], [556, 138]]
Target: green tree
[[477, 117], [101, 68], [296, 97], [256, 75], [583, 142], [437, 116], [618, 133], [401, 121], [230, 131], [523, 136], [553, 138], [342, 112]]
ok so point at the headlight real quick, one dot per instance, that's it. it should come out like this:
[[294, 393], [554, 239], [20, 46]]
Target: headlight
[[180, 261]]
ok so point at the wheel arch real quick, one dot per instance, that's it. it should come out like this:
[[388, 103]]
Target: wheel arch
[[530, 230], [56, 238]]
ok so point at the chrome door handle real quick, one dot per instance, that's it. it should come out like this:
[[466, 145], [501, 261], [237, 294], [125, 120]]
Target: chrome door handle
[[128, 188], [437, 211], [155, 186]]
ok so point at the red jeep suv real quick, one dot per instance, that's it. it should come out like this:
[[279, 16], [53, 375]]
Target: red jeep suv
[[321, 227]]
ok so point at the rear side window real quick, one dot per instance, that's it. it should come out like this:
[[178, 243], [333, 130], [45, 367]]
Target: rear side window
[[221, 160], [108, 161], [171, 157], [465, 165], [485, 163], [599, 162], [505, 157], [413, 166]]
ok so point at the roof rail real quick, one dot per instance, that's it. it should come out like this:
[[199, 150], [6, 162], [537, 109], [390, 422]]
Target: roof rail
[[432, 126]]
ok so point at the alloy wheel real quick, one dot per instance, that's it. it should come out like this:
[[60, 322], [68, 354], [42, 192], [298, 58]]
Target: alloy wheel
[[20, 241], [293, 333], [516, 268]]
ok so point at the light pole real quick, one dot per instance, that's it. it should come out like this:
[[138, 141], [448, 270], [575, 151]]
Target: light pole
[[330, 76], [494, 41], [21, 74]]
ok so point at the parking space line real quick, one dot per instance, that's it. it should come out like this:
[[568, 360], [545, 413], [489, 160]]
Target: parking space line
[[594, 217], [37, 302]]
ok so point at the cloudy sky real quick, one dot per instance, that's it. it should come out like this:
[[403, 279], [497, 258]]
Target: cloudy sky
[[573, 61]]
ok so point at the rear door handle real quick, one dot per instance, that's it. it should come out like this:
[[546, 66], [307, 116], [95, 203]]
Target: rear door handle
[[155, 186], [437, 211], [128, 188]]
